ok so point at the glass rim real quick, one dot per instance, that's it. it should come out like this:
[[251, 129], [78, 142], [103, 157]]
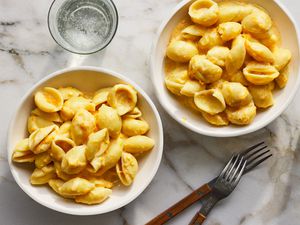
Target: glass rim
[[85, 53]]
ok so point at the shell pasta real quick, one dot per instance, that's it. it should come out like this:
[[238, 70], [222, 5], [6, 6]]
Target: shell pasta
[[224, 60], [83, 144]]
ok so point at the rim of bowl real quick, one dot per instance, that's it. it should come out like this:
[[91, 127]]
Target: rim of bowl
[[212, 133], [111, 73], [84, 53]]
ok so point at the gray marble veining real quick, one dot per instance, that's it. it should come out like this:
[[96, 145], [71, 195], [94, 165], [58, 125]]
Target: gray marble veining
[[269, 195]]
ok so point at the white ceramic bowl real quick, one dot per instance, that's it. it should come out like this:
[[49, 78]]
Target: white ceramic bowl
[[192, 120], [86, 79]]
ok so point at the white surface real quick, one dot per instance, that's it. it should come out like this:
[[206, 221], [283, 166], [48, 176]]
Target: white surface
[[188, 117], [88, 79], [269, 195]]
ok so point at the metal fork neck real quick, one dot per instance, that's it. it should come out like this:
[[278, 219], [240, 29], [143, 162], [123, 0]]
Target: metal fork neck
[[208, 203]]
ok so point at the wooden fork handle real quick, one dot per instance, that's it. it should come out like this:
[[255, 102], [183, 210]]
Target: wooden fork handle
[[181, 205], [198, 219]]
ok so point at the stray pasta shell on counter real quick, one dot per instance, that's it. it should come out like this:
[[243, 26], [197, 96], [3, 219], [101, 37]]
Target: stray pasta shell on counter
[[260, 73], [210, 101], [40, 139], [83, 124], [229, 30], [22, 152], [204, 70], [76, 186], [235, 94], [97, 144], [127, 168], [108, 117], [60, 145], [74, 161], [49, 100], [241, 116], [73, 105], [69, 92], [43, 175], [204, 12], [181, 51], [219, 119], [42, 159], [123, 98], [95, 196], [35, 122], [259, 52], [132, 127], [138, 144]]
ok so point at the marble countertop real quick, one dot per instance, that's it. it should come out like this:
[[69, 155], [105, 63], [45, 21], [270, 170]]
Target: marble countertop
[[269, 195]]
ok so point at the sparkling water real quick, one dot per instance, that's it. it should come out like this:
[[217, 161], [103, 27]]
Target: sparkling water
[[86, 25]]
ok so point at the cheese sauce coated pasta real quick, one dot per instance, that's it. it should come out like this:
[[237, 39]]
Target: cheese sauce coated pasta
[[76, 140], [225, 59]]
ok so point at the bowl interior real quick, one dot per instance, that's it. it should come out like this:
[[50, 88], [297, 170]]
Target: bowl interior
[[193, 120], [85, 80]]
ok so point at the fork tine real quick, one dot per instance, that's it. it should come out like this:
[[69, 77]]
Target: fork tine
[[250, 160], [251, 148], [227, 166], [247, 156], [233, 168], [238, 177], [236, 170], [250, 167]]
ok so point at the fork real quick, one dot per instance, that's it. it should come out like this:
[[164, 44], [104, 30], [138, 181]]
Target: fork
[[223, 186], [254, 155], [218, 192]]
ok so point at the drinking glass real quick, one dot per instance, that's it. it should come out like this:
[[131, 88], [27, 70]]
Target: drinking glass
[[83, 26]]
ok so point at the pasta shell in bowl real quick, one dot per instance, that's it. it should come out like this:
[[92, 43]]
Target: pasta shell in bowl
[[210, 101], [123, 98], [260, 73], [94, 153], [204, 12], [127, 168], [244, 48]]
